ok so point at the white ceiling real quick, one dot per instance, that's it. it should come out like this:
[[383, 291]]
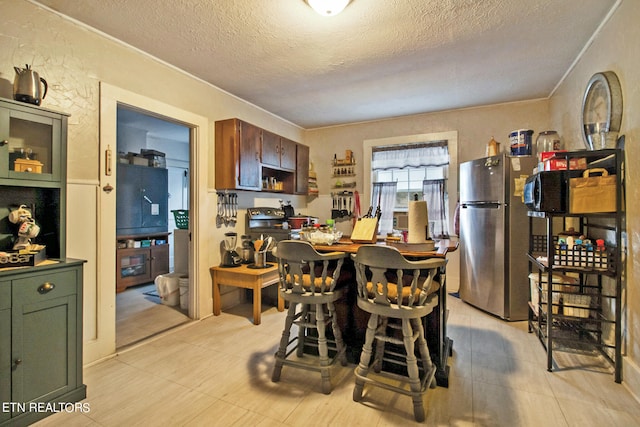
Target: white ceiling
[[378, 59]]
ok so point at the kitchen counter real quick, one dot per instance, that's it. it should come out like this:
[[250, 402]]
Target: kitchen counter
[[443, 247], [435, 324]]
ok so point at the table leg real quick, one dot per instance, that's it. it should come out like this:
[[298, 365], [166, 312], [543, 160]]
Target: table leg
[[257, 302], [216, 295]]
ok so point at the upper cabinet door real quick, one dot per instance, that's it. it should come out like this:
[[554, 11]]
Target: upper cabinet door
[[30, 143], [249, 162], [287, 154], [270, 149], [302, 169], [278, 152]]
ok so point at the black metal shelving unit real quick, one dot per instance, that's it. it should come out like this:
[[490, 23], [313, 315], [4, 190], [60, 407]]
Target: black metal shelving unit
[[587, 314]]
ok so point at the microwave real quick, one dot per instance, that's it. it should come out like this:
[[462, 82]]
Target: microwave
[[547, 191]]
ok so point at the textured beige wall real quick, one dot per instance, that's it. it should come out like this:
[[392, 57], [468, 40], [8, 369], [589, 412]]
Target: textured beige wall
[[75, 60], [475, 127], [614, 48]]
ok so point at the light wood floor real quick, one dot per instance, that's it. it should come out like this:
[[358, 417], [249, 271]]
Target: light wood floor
[[217, 372], [140, 316]]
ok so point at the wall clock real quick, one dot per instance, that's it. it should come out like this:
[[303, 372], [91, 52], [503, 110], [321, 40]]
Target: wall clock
[[602, 111]]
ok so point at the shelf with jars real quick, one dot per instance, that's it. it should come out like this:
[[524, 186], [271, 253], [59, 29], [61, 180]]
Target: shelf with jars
[[344, 168]]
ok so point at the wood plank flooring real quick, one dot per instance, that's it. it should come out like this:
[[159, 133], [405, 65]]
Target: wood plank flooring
[[140, 316], [217, 372]]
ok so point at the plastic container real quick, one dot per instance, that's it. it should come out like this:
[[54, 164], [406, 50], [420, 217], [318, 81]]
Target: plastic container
[[183, 282], [548, 140], [167, 286], [181, 217], [521, 142]]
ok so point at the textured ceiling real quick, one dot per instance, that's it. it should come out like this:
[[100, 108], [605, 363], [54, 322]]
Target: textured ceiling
[[378, 59]]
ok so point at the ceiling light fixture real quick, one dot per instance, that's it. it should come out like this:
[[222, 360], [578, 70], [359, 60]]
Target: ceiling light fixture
[[328, 7]]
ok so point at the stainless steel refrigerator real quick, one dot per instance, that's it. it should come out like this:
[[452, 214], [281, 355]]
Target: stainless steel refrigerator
[[494, 236]]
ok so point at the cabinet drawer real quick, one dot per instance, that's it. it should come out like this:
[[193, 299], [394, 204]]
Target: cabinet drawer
[[36, 288], [5, 295]]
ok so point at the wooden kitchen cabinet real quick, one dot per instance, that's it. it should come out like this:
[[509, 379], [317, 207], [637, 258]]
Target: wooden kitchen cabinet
[[136, 266], [248, 158], [40, 339], [237, 155], [302, 169], [278, 152]]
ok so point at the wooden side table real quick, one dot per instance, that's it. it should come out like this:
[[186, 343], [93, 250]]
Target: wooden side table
[[245, 277]]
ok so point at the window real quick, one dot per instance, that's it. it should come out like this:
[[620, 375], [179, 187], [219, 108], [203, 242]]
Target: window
[[409, 182], [417, 171]]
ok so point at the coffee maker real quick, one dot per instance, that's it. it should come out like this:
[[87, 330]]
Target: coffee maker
[[230, 258]]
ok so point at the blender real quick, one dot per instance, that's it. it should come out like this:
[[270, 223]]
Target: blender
[[230, 257], [247, 249]]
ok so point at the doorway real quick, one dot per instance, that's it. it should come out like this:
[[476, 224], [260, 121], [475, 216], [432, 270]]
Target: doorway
[[151, 216], [100, 318]]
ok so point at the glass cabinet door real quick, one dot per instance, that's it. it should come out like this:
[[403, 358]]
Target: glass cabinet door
[[135, 265], [30, 146]]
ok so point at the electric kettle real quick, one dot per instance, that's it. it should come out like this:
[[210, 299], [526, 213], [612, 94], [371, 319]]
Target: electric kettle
[[26, 86]]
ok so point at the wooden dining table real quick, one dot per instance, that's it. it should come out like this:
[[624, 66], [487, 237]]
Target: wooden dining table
[[435, 324]]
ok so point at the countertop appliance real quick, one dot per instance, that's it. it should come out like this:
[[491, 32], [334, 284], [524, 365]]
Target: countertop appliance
[[494, 235], [266, 222], [230, 257], [26, 86]]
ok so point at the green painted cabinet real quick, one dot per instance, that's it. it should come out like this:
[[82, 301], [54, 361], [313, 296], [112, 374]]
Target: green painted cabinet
[[5, 348], [40, 306], [42, 353], [31, 134]]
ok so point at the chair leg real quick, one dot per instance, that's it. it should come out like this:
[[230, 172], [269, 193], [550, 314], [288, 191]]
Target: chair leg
[[323, 350], [412, 370], [380, 344], [365, 357], [337, 334], [427, 363], [284, 343], [302, 330]]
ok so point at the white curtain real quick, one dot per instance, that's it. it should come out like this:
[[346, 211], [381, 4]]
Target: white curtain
[[384, 196], [414, 155], [435, 194]]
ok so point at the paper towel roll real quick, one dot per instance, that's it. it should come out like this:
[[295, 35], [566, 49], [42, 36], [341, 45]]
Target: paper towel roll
[[418, 222]]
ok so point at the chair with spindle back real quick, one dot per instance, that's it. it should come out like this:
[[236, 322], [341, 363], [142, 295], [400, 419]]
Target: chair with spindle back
[[398, 294]]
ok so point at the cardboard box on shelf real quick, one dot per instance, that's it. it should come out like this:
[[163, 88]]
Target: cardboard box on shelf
[[577, 163]]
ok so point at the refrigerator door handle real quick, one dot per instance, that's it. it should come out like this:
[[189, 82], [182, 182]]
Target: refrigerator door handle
[[481, 205]]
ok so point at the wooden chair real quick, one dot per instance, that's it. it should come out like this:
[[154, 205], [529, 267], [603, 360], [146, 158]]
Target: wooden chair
[[398, 294], [308, 282]]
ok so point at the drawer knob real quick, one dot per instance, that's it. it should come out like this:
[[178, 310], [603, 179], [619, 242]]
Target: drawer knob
[[46, 287], [3, 142], [17, 362]]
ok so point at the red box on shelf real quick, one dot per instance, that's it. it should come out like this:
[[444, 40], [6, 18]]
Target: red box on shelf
[[549, 154], [577, 163]]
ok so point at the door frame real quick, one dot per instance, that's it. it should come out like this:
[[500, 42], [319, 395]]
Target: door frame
[[200, 295]]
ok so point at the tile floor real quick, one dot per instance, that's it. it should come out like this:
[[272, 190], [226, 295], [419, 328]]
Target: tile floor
[[217, 373], [139, 316]]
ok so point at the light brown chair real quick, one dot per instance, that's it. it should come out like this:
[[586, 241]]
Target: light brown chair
[[308, 283], [398, 294]]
